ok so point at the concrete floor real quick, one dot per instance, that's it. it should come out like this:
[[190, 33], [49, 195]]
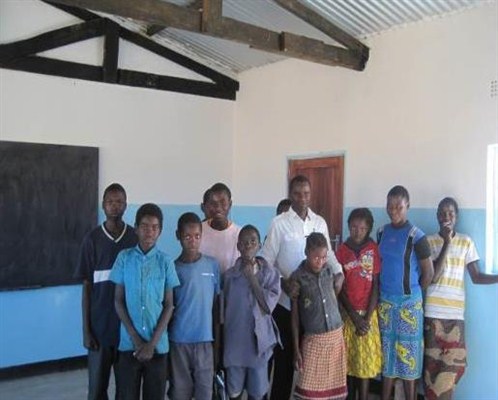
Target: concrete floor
[[69, 385]]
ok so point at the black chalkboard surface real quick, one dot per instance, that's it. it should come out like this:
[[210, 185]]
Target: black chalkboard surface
[[48, 202]]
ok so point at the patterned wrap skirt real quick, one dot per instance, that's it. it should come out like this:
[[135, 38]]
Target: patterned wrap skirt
[[324, 367], [401, 321], [445, 356], [364, 354]]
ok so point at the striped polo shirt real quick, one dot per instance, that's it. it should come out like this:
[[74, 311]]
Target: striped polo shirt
[[445, 299]]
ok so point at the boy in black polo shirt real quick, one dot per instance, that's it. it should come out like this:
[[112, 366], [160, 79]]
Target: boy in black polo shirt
[[100, 321]]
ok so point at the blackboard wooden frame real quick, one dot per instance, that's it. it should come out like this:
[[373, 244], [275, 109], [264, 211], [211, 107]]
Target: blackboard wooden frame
[[48, 202]]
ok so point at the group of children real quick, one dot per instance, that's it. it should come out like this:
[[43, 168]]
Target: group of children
[[403, 300], [373, 324]]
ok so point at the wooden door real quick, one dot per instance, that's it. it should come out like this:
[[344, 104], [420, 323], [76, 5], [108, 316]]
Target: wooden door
[[327, 187]]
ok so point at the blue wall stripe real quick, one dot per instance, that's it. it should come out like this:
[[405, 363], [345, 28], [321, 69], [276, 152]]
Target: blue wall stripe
[[45, 324]]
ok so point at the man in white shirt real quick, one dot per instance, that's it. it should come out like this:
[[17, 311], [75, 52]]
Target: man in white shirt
[[284, 249]]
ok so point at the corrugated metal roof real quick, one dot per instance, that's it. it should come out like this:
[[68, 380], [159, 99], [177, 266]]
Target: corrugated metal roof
[[360, 18]]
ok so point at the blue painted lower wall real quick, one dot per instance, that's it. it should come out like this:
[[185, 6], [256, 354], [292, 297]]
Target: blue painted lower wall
[[45, 324]]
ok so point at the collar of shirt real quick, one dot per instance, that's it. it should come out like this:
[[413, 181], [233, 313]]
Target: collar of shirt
[[309, 215], [325, 271], [151, 253]]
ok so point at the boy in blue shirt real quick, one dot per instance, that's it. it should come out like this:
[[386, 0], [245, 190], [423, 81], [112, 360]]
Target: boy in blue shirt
[[144, 278], [100, 321], [191, 329]]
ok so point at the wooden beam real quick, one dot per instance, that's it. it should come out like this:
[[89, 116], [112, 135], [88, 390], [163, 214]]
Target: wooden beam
[[49, 66], [152, 30], [156, 48], [196, 5], [151, 11], [67, 69], [167, 14], [179, 59], [254, 36], [211, 15], [52, 39], [322, 24], [174, 84], [294, 45], [77, 12], [111, 52], [21, 56]]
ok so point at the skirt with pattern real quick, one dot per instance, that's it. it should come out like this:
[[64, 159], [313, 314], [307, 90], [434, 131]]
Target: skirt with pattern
[[401, 321], [324, 367], [445, 356], [364, 354]]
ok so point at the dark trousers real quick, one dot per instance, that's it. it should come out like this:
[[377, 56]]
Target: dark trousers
[[151, 376], [100, 363], [283, 365]]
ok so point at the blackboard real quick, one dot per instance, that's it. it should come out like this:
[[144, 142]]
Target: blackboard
[[48, 202]]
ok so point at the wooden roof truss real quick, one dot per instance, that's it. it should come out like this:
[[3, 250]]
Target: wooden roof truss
[[21, 55]]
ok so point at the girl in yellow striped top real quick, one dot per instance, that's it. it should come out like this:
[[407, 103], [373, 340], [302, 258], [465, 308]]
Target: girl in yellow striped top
[[445, 353]]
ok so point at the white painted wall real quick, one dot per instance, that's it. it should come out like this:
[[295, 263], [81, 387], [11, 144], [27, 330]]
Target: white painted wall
[[162, 146], [420, 115]]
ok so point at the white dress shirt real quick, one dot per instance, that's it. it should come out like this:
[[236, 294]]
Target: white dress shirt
[[284, 246]]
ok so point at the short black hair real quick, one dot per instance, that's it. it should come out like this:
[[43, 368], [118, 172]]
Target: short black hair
[[364, 214], [298, 180], [248, 228], [316, 240], [188, 218], [448, 201], [205, 197], [284, 203], [114, 187], [399, 191], [149, 210], [217, 188]]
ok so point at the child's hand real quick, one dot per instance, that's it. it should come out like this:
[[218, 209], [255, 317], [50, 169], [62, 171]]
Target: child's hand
[[338, 281], [89, 342], [145, 353], [298, 361], [290, 287], [248, 268], [447, 232], [361, 324], [138, 343]]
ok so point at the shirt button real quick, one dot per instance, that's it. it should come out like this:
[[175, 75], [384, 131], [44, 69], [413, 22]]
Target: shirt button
[[143, 328], [324, 300], [326, 315]]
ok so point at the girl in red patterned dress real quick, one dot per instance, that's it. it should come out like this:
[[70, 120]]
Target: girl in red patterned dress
[[360, 261]]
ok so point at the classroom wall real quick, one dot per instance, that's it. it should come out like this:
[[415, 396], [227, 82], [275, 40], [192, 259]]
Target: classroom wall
[[423, 102], [421, 115], [155, 142], [162, 146]]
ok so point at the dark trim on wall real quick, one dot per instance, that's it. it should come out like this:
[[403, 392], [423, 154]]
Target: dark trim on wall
[[41, 368]]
